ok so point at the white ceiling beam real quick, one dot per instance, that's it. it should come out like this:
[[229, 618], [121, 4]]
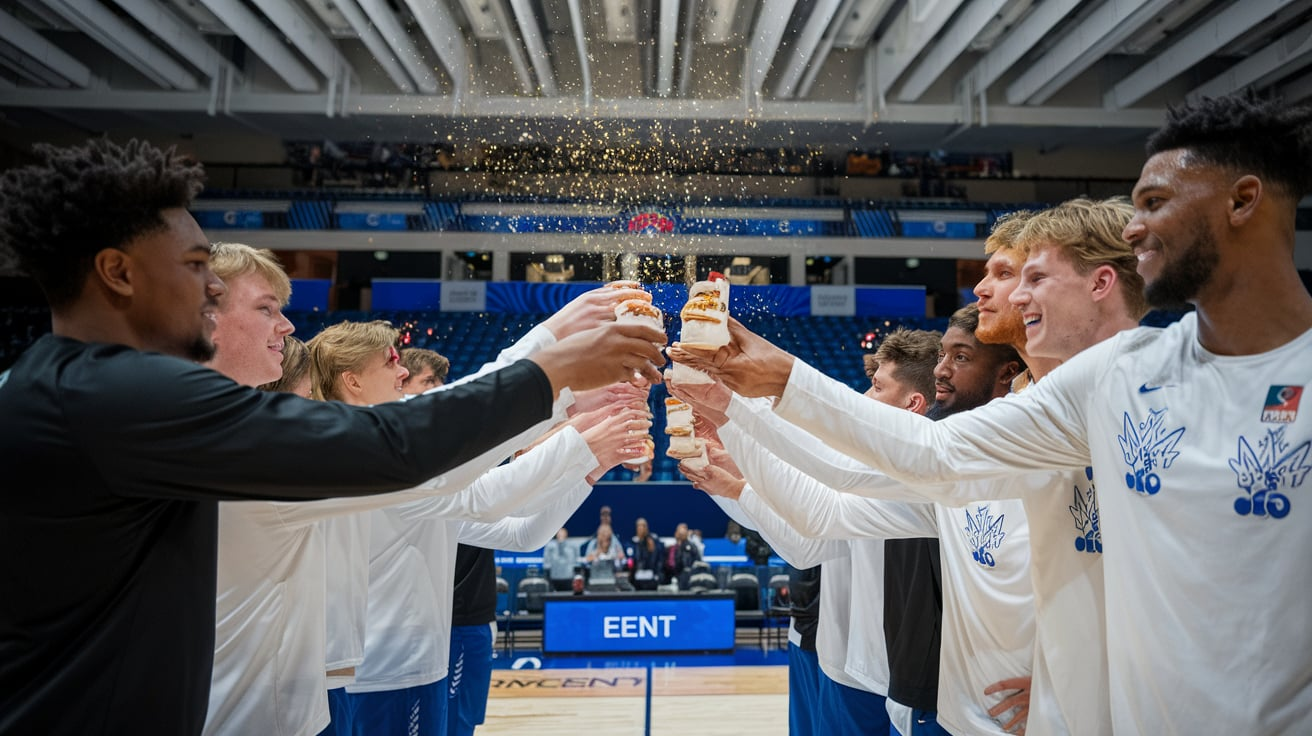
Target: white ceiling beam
[[913, 28], [264, 43], [518, 60], [404, 49], [369, 36], [771, 22], [1288, 53], [538, 55], [443, 34], [49, 55], [384, 106], [1078, 48], [967, 25], [808, 41], [125, 42], [581, 43], [1190, 49], [667, 30], [29, 69], [184, 39], [1296, 90], [827, 43], [305, 34], [1042, 18]]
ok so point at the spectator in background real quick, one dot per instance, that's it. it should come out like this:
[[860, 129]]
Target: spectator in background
[[428, 370], [680, 556], [758, 550], [695, 536], [604, 548], [733, 532], [560, 558], [648, 555]]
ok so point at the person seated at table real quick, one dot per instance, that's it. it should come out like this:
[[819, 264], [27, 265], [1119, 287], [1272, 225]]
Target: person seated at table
[[603, 556], [648, 555], [680, 556]]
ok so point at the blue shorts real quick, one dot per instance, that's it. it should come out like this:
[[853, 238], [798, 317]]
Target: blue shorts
[[414, 710], [846, 710], [469, 678], [803, 692], [925, 723], [341, 709]]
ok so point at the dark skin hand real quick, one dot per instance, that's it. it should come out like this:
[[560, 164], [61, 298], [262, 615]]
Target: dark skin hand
[[749, 365]]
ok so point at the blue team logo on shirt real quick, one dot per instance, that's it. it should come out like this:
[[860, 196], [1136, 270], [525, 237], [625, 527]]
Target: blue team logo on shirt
[[1263, 473], [1085, 511], [984, 533], [1148, 447]]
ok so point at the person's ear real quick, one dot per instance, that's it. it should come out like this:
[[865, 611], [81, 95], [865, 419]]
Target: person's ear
[[351, 382], [1245, 196], [1008, 372], [113, 268], [917, 403], [1102, 282]]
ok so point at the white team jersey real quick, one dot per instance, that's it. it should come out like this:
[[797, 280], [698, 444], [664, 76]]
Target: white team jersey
[[346, 541], [411, 566], [988, 606], [1201, 461], [1069, 688], [833, 619]]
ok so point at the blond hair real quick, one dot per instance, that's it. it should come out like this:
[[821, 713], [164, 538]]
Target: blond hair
[[1089, 233], [1005, 230], [345, 346], [230, 260]]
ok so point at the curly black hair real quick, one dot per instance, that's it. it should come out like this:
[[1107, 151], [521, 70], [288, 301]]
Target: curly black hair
[[57, 214], [1244, 132]]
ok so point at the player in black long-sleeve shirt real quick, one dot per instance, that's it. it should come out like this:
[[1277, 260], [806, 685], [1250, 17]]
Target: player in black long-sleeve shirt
[[107, 592]]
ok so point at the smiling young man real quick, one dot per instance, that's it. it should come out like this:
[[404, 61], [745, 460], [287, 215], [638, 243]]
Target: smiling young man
[[112, 609], [1195, 430]]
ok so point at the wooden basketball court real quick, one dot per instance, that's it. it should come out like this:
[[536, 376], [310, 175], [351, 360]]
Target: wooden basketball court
[[714, 701]]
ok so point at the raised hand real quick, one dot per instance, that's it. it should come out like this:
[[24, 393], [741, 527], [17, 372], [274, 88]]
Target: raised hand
[[1018, 700], [709, 401], [616, 437], [590, 309], [749, 364], [622, 393], [603, 355], [720, 478]]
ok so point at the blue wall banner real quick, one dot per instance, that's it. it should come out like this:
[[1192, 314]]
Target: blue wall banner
[[371, 220], [398, 295], [596, 623], [309, 295], [238, 219]]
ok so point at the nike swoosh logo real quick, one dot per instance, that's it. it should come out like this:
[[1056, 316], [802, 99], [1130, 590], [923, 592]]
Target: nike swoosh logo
[[1146, 389]]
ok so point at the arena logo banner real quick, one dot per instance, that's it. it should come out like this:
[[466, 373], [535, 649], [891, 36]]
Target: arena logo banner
[[650, 222]]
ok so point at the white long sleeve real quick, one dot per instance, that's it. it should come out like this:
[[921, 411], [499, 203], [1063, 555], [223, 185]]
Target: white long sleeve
[[1043, 428], [529, 533], [513, 486], [815, 510]]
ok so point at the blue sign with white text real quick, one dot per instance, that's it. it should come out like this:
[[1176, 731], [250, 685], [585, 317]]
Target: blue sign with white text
[[619, 623]]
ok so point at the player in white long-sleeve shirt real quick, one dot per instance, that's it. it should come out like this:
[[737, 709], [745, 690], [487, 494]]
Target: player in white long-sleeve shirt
[[903, 377], [988, 620], [270, 679], [398, 679], [1195, 429], [1079, 288]]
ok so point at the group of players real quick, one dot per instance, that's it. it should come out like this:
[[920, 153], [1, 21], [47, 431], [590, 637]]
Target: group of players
[[1168, 598], [1170, 602]]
